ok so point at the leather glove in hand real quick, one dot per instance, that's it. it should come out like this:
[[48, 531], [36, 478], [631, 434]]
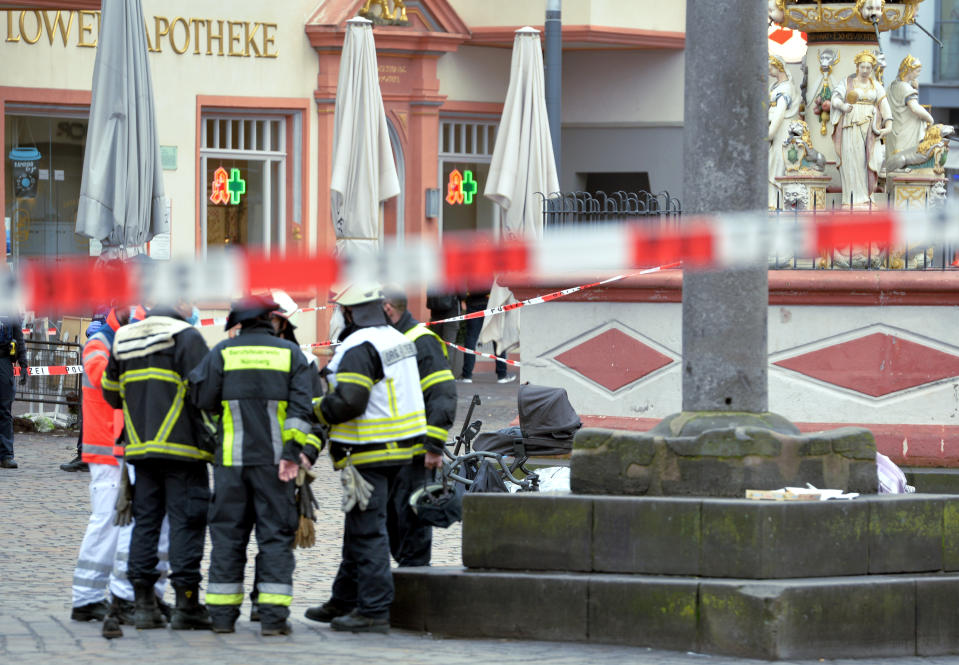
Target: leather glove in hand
[[24, 372], [356, 491], [124, 505]]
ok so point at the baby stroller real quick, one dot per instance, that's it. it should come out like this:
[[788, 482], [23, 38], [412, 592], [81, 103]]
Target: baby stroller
[[547, 425]]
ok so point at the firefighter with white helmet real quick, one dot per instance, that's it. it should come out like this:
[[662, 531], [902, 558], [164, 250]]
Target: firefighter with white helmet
[[377, 423]]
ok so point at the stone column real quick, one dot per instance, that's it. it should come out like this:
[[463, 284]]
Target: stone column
[[724, 154]]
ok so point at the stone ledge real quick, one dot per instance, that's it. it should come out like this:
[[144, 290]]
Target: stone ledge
[[865, 616], [722, 538], [705, 456]]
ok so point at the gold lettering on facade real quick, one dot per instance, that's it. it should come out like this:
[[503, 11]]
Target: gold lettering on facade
[[269, 40], [10, 36], [159, 33], [39, 22], [196, 23], [86, 29], [57, 25], [250, 42], [186, 35], [210, 36], [235, 37]]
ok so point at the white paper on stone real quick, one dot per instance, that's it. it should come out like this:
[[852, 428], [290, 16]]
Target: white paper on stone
[[364, 173]]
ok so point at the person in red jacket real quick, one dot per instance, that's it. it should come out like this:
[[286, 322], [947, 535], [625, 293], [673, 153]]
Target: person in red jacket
[[99, 567]]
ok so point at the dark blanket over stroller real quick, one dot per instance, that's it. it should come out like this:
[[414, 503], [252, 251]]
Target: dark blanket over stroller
[[547, 425]]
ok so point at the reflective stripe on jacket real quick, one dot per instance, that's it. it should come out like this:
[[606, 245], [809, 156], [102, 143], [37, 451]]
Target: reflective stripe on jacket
[[436, 381], [395, 410]]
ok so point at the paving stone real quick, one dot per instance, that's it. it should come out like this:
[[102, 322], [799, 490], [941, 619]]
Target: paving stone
[[652, 535], [937, 615], [905, 533], [527, 531], [820, 618], [657, 612]]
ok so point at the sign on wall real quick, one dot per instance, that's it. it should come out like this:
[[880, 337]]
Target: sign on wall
[[461, 187], [227, 189]]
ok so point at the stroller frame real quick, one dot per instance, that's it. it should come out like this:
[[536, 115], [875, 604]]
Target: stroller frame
[[462, 466]]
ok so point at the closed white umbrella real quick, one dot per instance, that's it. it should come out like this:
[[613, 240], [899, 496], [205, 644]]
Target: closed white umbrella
[[121, 191], [523, 162], [522, 165], [364, 174]]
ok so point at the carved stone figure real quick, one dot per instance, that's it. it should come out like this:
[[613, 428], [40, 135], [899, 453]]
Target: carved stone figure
[[929, 153], [909, 119], [777, 10], [784, 103], [390, 16], [860, 115], [871, 10], [799, 154], [822, 102]]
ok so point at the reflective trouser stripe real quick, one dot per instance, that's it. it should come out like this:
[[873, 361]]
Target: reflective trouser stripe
[[274, 588], [91, 584], [268, 599], [224, 588], [225, 598]]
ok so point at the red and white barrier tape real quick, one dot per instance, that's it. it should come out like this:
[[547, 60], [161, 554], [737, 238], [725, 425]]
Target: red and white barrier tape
[[51, 370], [725, 240], [514, 363], [50, 331]]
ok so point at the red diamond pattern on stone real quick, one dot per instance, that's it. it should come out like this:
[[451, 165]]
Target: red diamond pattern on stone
[[876, 365], [613, 359], [781, 36]]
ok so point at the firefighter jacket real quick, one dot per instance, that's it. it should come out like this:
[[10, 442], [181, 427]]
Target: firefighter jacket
[[436, 381], [102, 423], [260, 385], [375, 408], [147, 378]]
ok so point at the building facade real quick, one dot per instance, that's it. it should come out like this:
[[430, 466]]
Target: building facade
[[245, 95]]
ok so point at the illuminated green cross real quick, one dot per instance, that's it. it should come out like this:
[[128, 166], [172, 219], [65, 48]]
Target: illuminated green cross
[[469, 187], [236, 185]]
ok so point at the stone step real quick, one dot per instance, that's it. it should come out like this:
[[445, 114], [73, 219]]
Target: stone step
[[933, 481], [722, 538], [865, 617]]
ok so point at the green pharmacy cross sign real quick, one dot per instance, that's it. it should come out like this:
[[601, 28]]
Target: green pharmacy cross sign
[[461, 188], [236, 185]]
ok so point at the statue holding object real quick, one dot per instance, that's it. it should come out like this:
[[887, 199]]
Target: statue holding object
[[784, 101]]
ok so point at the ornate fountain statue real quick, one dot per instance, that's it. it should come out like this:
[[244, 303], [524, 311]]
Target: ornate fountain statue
[[860, 117], [784, 102]]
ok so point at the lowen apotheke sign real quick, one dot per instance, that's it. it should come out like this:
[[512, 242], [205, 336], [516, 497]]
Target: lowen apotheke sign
[[199, 36]]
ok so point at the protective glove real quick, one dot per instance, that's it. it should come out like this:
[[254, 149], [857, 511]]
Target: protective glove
[[306, 505], [356, 491], [24, 372], [124, 505]]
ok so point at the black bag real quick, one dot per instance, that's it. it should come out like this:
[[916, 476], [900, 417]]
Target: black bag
[[487, 479]]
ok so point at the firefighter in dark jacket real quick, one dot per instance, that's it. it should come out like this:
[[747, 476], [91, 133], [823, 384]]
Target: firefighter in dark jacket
[[410, 538], [261, 387], [377, 424], [169, 445], [12, 350]]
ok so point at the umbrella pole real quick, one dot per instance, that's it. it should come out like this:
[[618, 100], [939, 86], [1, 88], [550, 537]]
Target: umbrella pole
[[554, 76]]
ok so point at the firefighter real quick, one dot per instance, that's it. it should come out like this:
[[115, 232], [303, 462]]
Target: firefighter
[[411, 539], [102, 563], [259, 385], [169, 446], [377, 422]]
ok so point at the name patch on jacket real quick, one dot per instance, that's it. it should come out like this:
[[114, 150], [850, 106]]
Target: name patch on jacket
[[256, 357], [398, 353]]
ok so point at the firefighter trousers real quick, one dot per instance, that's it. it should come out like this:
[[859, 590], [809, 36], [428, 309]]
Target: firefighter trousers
[[181, 491], [411, 539], [247, 498], [104, 552], [364, 579]]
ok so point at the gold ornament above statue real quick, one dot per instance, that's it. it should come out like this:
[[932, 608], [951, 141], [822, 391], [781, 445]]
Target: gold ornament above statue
[[839, 16], [395, 15]]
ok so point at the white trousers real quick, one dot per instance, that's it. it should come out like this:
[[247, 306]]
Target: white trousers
[[102, 563]]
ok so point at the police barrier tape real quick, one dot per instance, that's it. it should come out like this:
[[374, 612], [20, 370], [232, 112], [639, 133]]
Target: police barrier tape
[[725, 240], [51, 370], [514, 363]]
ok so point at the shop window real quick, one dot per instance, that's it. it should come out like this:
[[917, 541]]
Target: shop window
[[43, 149], [466, 148], [948, 29], [246, 172], [617, 182]]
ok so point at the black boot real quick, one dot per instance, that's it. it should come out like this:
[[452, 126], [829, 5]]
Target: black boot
[[76, 464], [328, 611], [189, 614], [147, 613], [111, 623]]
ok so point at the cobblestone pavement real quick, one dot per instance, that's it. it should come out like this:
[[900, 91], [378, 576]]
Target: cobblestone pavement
[[43, 513]]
